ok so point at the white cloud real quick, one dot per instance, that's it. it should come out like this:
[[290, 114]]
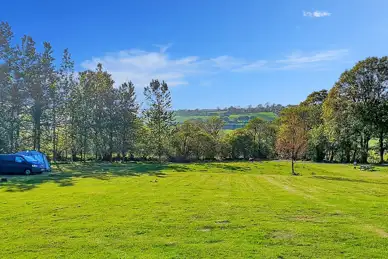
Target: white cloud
[[252, 66], [316, 14], [299, 60], [227, 62], [141, 66]]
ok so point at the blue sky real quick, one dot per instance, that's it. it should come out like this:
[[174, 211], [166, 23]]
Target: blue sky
[[212, 53]]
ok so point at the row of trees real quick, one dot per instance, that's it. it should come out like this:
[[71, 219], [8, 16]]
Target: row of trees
[[206, 140], [339, 125], [73, 115], [275, 108], [82, 116]]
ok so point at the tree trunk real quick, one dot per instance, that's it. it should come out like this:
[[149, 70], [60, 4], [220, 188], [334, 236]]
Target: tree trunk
[[364, 149], [382, 149], [74, 156], [84, 151], [54, 136], [11, 137], [347, 156], [331, 156], [292, 166], [354, 155], [159, 142], [111, 146]]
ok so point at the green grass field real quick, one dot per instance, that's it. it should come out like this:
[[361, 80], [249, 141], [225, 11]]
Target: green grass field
[[216, 210]]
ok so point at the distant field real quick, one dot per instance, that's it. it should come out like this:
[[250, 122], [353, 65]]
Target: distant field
[[214, 210], [181, 119], [268, 116]]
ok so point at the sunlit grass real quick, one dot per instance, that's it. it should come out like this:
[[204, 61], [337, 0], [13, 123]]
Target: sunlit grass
[[216, 210]]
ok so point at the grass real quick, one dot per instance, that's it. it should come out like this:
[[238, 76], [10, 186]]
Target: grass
[[215, 210]]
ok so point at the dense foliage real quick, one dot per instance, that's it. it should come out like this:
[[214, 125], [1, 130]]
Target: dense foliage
[[82, 115]]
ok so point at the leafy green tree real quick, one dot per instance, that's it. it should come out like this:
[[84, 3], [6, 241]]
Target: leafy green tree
[[60, 103], [159, 116], [263, 136], [4, 84], [12, 89], [185, 139], [257, 127], [213, 126], [126, 117], [144, 144], [338, 128], [361, 94], [242, 144], [211, 136], [317, 140], [41, 77]]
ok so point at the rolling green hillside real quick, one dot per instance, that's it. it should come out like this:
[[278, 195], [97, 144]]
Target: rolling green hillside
[[232, 121]]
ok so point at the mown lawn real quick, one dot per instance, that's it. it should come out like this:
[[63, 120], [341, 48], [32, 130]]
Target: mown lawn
[[218, 210]]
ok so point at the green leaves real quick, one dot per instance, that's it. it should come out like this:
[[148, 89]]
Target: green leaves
[[356, 107], [158, 116]]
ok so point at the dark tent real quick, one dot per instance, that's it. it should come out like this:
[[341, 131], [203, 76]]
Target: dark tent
[[40, 157]]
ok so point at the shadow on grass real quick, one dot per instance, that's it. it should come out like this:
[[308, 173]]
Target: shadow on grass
[[344, 179], [225, 166], [65, 175]]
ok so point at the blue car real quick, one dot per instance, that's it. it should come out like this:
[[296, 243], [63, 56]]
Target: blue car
[[18, 164]]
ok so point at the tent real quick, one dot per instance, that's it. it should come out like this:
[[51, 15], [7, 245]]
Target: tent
[[40, 157]]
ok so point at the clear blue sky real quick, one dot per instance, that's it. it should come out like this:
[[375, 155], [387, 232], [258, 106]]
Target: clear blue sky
[[212, 53]]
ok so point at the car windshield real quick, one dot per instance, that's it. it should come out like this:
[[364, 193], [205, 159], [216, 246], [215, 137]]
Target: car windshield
[[30, 159]]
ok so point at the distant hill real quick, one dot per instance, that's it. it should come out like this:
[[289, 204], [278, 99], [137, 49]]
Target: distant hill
[[234, 118]]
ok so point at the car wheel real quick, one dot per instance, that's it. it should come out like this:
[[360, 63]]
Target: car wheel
[[27, 172]]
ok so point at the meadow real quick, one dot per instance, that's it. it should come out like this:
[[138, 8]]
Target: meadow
[[204, 210]]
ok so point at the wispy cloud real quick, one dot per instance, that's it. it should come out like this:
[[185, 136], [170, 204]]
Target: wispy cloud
[[316, 14], [252, 66], [227, 62], [300, 60], [141, 66]]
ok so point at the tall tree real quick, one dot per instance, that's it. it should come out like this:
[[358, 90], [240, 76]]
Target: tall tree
[[61, 100], [211, 134], [127, 110], [12, 90], [363, 92], [257, 128], [339, 127], [317, 139], [41, 77], [159, 116]]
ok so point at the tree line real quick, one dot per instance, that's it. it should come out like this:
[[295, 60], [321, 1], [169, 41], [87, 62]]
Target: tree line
[[338, 125], [82, 115], [275, 108]]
